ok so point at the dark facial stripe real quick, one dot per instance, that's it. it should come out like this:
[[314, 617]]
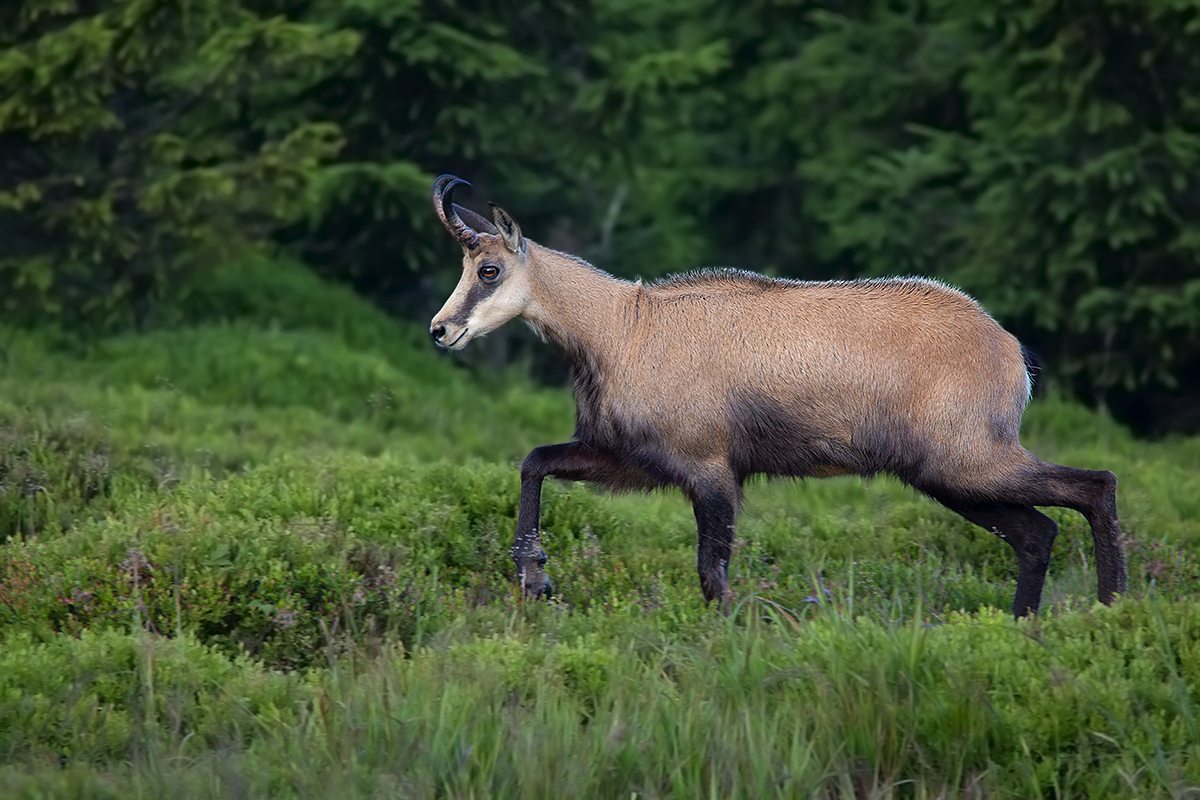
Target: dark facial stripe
[[478, 292]]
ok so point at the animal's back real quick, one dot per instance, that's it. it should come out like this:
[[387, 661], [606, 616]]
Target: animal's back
[[893, 334]]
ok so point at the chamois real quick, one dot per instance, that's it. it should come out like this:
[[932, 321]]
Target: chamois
[[703, 380]]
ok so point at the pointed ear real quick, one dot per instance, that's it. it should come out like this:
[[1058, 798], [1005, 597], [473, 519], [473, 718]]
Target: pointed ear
[[475, 221], [510, 232]]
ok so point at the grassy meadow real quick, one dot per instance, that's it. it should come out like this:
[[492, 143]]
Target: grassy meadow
[[260, 550]]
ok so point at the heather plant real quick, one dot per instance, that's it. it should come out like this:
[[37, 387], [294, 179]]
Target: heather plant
[[553, 703]]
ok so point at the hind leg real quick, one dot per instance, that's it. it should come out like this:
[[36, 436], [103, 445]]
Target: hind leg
[[1031, 535], [1023, 480], [1092, 493]]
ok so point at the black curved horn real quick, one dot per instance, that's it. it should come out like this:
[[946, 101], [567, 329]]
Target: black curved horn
[[443, 192]]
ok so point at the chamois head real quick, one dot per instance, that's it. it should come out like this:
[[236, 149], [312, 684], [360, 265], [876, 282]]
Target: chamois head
[[494, 286]]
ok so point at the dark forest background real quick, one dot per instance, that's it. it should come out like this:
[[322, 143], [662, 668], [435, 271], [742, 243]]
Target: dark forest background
[[1044, 156]]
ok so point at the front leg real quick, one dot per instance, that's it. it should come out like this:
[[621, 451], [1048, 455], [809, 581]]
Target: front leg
[[715, 499], [570, 462]]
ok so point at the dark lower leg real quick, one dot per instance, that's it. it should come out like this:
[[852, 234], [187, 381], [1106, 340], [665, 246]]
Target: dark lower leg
[[1092, 493], [1031, 535], [1111, 572], [716, 512], [572, 461], [527, 550]]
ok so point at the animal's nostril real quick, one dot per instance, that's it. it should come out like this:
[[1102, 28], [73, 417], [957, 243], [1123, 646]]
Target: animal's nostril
[[438, 332]]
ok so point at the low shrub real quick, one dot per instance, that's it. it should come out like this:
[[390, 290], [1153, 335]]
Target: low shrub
[[1100, 703]]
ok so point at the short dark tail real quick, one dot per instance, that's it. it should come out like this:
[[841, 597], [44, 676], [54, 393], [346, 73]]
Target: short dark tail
[[1033, 366]]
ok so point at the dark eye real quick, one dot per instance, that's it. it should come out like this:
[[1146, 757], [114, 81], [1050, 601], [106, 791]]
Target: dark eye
[[489, 272]]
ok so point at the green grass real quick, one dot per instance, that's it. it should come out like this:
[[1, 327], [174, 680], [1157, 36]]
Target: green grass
[[262, 551]]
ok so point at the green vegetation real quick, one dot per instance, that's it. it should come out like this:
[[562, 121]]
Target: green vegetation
[[264, 553], [254, 532]]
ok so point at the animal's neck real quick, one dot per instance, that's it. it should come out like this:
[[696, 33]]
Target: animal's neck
[[577, 306]]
